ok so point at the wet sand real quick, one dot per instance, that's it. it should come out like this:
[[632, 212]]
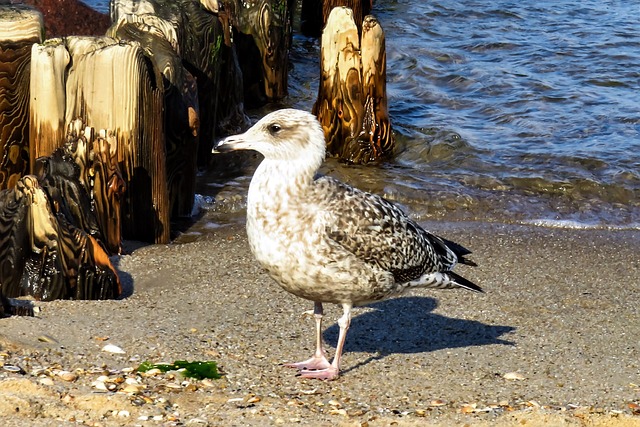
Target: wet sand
[[560, 317]]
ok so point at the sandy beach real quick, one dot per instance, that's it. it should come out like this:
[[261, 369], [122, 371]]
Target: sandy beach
[[554, 341]]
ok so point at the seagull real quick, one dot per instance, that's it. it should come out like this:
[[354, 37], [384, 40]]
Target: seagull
[[327, 242]]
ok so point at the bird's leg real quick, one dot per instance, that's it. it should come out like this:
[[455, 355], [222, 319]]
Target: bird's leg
[[318, 360], [332, 371]]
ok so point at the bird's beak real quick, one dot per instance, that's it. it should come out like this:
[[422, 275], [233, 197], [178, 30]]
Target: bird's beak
[[230, 143]]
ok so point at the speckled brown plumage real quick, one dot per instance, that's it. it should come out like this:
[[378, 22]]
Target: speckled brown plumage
[[325, 241]]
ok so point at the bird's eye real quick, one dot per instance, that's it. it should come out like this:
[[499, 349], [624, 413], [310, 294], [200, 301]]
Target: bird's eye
[[274, 128]]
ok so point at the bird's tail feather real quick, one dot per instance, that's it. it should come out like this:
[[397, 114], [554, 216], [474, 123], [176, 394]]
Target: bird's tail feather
[[464, 283], [460, 252], [445, 280]]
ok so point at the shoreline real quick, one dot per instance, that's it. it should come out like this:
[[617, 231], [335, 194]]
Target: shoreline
[[560, 317]]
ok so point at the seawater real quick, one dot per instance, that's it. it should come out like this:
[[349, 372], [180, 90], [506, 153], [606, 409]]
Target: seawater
[[503, 111]]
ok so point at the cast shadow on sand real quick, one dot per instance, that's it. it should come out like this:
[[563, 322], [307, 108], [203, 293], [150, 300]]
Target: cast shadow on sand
[[408, 325]]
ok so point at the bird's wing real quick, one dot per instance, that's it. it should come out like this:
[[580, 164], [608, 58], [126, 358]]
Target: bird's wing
[[379, 233]]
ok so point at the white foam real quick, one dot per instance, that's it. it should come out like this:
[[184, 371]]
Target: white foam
[[577, 225]]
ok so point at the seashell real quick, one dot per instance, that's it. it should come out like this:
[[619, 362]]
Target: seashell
[[12, 368], [514, 376], [67, 376], [99, 385], [133, 388], [124, 414], [437, 402], [46, 381], [36, 372], [113, 349]]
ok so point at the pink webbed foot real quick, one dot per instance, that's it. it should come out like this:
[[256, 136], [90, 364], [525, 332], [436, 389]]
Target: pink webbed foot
[[328, 374], [314, 363]]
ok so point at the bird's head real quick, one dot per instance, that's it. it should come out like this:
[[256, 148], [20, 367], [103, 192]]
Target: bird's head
[[287, 135]]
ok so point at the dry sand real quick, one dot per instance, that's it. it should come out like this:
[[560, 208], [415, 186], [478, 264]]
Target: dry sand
[[561, 315]]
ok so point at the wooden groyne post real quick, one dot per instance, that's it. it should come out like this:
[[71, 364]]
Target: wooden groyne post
[[352, 101]]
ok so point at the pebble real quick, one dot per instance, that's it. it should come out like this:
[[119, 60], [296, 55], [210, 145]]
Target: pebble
[[110, 348]]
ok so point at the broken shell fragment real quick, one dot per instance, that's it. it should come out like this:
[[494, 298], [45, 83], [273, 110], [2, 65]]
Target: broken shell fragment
[[113, 349]]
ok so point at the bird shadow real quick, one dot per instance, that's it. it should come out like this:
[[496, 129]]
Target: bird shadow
[[408, 325]]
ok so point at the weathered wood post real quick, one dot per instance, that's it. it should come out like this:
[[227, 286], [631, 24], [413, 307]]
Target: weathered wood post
[[315, 13], [110, 85], [43, 251], [351, 103], [49, 62], [20, 27], [268, 23], [202, 46]]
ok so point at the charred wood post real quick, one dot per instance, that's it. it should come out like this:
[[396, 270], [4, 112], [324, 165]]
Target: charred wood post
[[95, 154], [110, 85], [181, 113], [201, 71], [263, 35], [351, 103], [42, 251], [20, 27]]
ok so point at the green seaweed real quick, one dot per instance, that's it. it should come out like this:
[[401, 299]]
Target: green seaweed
[[215, 48], [197, 370]]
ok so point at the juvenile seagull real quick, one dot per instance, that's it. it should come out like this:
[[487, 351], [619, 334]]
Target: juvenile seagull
[[328, 242]]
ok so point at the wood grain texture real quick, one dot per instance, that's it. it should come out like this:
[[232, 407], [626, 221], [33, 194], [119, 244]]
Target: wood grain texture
[[111, 85], [95, 154], [375, 138], [181, 115], [20, 27], [49, 63], [198, 38]]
